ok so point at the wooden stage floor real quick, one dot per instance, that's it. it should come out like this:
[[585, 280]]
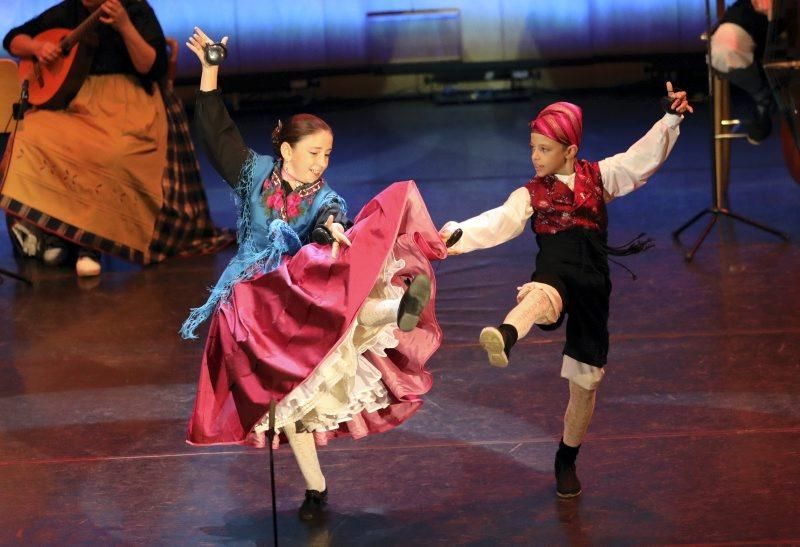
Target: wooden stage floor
[[696, 438]]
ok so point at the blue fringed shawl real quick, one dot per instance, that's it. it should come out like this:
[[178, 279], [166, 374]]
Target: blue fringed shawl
[[263, 236]]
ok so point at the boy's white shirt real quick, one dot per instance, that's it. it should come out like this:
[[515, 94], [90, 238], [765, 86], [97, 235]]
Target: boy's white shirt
[[622, 173]]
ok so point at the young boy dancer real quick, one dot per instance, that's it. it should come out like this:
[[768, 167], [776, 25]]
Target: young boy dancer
[[566, 202]]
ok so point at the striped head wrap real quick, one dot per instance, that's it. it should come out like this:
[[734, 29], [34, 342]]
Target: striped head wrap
[[562, 122]]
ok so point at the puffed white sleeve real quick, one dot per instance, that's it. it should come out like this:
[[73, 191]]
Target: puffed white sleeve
[[623, 173], [494, 226]]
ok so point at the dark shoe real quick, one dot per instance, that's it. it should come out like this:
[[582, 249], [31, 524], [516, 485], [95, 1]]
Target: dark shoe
[[567, 483], [313, 507], [754, 82], [413, 302], [760, 127]]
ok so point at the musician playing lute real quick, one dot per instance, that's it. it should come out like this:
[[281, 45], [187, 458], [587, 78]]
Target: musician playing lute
[[92, 173]]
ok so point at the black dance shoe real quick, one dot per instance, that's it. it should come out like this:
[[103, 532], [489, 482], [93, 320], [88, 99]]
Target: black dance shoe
[[760, 127], [313, 507], [413, 302], [567, 483]]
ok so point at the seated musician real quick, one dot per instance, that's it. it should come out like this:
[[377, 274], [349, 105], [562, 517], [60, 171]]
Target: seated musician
[[737, 48], [95, 176]]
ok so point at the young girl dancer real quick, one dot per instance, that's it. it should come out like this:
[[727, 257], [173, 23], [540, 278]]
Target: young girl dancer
[[312, 328], [566, 201]]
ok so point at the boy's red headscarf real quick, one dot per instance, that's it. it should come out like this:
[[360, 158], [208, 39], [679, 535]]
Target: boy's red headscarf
[[562, 122]]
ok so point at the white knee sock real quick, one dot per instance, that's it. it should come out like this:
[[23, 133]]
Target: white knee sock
[[534, 308], [579, 414], [378, 311], [305, 452]]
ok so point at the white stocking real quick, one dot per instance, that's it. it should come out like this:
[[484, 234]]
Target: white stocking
[[579, 414], [378, 311], [305, 452], [535, 306]]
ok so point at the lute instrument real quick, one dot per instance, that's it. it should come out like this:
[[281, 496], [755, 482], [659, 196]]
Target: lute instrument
[[54, 85]]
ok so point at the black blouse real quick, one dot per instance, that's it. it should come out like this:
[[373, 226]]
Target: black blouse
[[111, 56], [227, 152]]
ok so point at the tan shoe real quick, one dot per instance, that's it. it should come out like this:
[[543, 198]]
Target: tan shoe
[[492, 341], [87, 266]]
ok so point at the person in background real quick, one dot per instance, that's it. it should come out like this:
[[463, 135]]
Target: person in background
[[737, 47], [114, 171]]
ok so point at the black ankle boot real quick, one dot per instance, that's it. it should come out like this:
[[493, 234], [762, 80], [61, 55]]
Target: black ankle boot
[[760, 126], [413, 303], [313, 507], [567, 483], [753, 81]]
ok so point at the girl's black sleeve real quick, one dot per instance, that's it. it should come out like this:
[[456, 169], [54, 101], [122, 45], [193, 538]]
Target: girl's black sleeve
[[221, 139]]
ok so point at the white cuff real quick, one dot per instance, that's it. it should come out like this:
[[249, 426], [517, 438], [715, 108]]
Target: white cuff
[[672, 120]]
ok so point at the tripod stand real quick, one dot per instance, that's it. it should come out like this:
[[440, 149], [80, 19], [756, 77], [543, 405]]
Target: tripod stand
[[721, 135], [13, 276]]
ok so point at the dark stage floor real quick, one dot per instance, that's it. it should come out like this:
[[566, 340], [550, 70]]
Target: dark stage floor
[[696, 438]]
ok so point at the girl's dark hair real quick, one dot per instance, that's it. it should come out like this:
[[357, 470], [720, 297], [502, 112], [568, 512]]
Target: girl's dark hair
[[299, 126]]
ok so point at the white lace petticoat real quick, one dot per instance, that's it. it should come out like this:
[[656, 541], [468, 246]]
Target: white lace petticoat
[[345, 383]]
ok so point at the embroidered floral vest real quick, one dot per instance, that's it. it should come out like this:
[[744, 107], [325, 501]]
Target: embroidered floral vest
[[557, 208]]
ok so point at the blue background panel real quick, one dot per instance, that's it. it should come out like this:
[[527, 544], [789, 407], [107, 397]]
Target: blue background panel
[[318, 34]]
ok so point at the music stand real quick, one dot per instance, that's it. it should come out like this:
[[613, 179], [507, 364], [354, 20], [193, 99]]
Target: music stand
[[719, 98]]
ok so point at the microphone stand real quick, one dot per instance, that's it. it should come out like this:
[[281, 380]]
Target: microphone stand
[[19, 113], [270, 437]]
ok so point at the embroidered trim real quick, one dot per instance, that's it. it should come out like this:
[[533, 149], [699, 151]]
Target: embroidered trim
[[291, 206]]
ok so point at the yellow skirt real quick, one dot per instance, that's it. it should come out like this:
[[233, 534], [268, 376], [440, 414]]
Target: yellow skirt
[[97, 165]]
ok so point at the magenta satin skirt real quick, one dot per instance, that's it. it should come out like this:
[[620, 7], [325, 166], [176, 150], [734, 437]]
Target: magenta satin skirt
[[277, 328]]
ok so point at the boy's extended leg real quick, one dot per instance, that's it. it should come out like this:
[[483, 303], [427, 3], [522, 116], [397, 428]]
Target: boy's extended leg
[[582, 397], [537, 303]]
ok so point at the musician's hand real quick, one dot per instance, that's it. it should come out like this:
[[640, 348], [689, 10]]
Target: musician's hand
[[115, 15], [337, 231], [46, 52], [680, 103], [198, 41]]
